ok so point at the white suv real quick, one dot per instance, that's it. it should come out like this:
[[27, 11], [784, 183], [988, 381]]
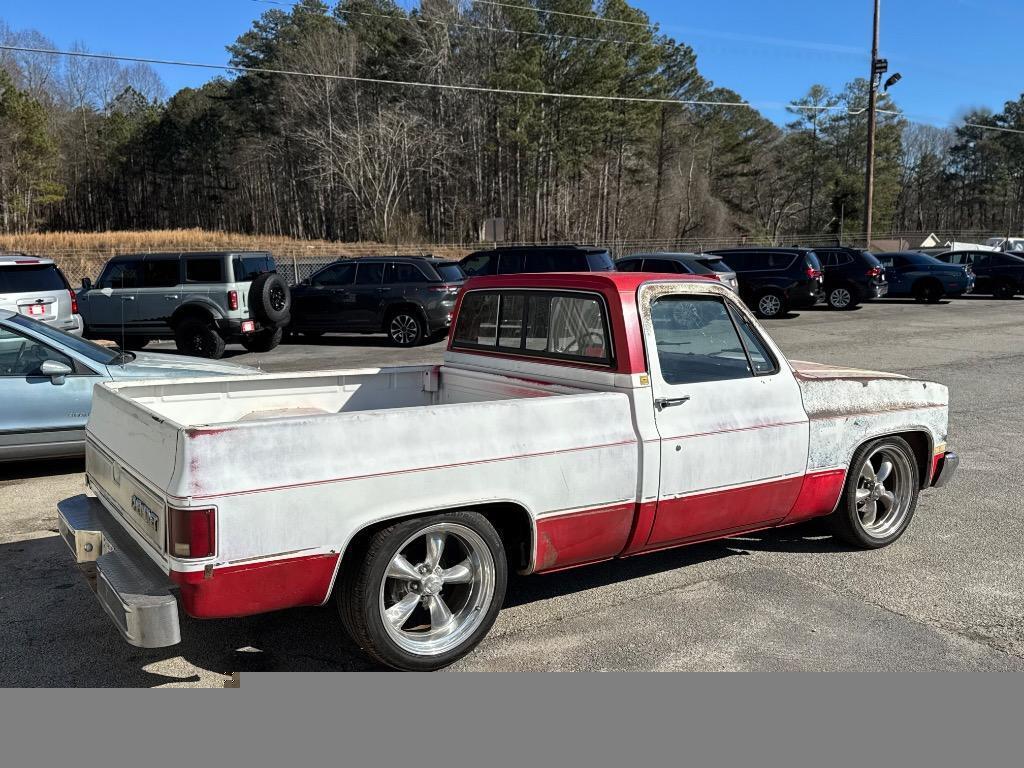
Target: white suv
[[36, 288], [201, 300]]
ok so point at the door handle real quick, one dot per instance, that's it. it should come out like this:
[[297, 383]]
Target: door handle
[[670, 402], [170, 298], [127, 298]]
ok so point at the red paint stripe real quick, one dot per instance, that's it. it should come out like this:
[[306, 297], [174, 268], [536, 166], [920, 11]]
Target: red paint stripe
[[244, 590], [726, 431], [406, 471]]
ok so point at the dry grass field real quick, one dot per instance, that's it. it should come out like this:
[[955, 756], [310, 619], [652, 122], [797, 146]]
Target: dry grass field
[[82, 254]]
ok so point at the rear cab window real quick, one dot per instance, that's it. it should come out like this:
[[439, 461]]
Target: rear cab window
[[549, 325], [28, 278]]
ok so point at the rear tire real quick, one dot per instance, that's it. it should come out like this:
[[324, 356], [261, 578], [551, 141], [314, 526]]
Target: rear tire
[[928, 292], [1004, 289], [199, 338], [770, 304], [842, 298], [405, 328], [880, 494], [412, 611], [263, 341]]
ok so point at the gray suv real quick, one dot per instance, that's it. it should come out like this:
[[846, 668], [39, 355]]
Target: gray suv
[[36, 288], [201, 300]]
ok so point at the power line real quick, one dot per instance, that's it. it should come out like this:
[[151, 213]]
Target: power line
[[564, 13], [376, 80]]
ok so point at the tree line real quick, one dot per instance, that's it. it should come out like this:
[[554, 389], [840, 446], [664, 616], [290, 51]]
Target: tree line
[[90, 144]]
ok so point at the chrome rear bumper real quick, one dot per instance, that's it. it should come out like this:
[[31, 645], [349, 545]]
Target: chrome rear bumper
[[129, 585]]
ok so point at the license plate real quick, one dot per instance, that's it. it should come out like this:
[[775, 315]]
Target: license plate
[[36, 310]]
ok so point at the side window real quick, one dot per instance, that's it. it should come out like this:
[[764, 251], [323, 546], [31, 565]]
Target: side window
[[401, 272], [335, 276], [697, 341], [480, 264], [370, 274], [761, 360], [163, 273], [122, 274], [21, 356], [979, 259], [827, 259], [538, 261], [631, 265], [510, 263], [560, 326], [204, 270], [662, 265], [740, 262]]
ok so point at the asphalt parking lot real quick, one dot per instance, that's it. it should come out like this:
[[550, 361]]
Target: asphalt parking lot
[[949, 595]]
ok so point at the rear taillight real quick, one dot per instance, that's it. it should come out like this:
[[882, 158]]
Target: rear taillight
[[453, 289], [875, 272], [191, 533], [232, 299], [74, 302], [813, 273]]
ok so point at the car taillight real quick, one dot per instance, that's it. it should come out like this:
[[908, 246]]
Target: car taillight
[[452, 289], [813, 273], [74, 302], [232, 299], [191, 533], [875, 272]]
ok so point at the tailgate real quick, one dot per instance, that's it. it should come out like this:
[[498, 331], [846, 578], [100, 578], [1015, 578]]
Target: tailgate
[[130, 456]]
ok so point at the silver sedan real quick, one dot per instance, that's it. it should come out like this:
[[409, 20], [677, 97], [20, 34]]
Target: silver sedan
[[46, 382]]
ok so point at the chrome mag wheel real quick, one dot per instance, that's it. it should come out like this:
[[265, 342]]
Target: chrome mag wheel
[[885, 491], [437, 589]]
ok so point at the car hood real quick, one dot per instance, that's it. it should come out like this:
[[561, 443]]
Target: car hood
[[148, 365]]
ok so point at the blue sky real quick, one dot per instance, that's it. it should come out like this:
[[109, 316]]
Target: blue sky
[[950, 52]]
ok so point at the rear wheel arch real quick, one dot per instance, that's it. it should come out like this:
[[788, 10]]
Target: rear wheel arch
[[398, 307], [512, 520], [193, 311]]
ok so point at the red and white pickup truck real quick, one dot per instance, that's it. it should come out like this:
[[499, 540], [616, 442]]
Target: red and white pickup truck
[[576, 418]]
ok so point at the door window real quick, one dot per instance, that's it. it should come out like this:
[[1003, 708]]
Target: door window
[[480, 264], [403, 272], [697, 341], [164, 273], [121, 274], [510, 264], [335, 276], [21, 356], [370, 274], [662, 265], [204, 271], [631, 265]]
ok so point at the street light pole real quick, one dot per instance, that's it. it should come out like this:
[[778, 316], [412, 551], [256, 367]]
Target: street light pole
[[869, 186]]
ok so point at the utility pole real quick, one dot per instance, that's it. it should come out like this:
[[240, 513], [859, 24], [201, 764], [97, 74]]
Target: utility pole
[[869, 186]]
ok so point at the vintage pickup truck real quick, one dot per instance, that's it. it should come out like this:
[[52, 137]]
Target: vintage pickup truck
[[576, 418]]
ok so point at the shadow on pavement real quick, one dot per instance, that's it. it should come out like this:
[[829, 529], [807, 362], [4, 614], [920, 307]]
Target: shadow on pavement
[[25, 470], [55, 633]]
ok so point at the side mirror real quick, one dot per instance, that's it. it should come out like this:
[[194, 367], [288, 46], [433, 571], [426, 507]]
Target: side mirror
[[86, 283], [55, 370]]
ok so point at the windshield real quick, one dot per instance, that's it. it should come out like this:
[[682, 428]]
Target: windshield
[[89, 350], [450, 273]]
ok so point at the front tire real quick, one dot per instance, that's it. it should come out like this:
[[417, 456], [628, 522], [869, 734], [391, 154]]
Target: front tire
[[424, 592], [199, 338], [880, 495]]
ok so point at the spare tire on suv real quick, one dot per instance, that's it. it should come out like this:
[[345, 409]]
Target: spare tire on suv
[[270, 299]]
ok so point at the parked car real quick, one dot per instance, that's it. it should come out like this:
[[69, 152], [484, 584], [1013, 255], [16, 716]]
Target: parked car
[[999, 274], [775, 280], [924, 277], [852, 276], [576, 418], [537, 258], [36, 288], [680, 264], [47, 378], [203, 301], [410, 298]]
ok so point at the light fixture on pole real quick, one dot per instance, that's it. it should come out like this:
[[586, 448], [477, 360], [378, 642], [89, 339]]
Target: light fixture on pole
[[878, 68]]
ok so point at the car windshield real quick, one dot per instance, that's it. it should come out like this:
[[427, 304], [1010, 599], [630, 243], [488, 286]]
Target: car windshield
[[450, 273], [88, 349], [26, 279]]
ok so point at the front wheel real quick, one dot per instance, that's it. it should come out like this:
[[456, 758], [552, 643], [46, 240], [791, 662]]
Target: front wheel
[[880, 495], [424, 592]]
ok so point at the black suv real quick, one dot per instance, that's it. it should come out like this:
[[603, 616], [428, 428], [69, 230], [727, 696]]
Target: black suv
[[851, 276], [410, 298], [537, 258], [1000, 274], [775, 280]]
